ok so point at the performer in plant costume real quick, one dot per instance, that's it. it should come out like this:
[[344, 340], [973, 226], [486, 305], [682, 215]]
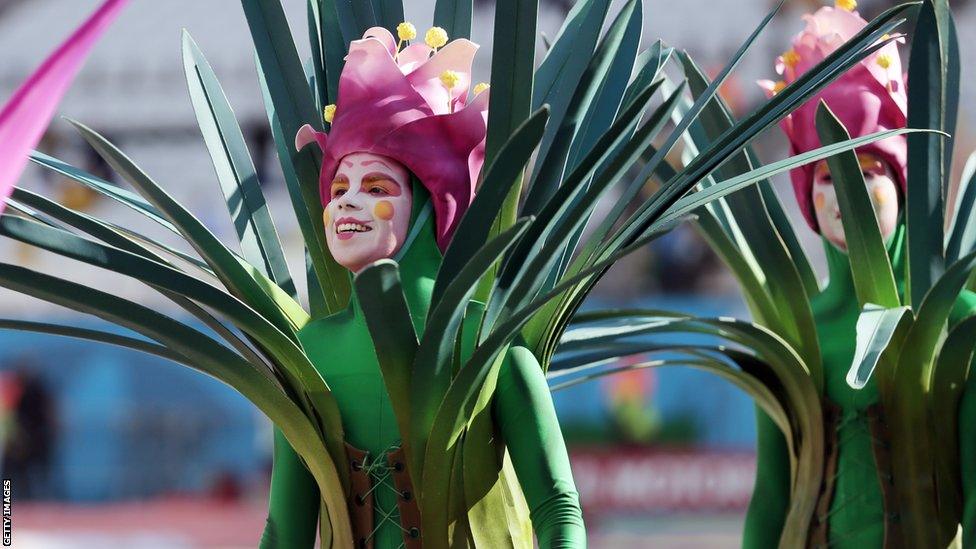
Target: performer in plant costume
[[860, 384], [400, 164], [858, 505]]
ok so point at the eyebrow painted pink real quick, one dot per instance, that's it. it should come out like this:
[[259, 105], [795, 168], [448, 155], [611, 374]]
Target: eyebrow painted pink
[[375, 161]]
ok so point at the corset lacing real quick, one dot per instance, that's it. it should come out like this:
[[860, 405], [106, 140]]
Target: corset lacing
[[853, 424], [380, 473]]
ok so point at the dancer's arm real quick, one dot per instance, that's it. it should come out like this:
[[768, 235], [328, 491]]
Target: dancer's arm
[[524, 412], [771, 494]]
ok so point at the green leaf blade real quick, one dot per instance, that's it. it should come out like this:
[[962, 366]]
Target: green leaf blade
[[874, 281], [927, 168], [512, 68], [503, 174], [224, 263], [391, 328], [962, 236], [561, 71], [454, 16], [290, 106], [751, 219], [556, 159], [436, 354], [235, 169], [876, 328]]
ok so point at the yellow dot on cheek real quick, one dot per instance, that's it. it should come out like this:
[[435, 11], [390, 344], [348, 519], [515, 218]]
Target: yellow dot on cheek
[[879, 196], [325, 218], [384, 210], [819, 201]]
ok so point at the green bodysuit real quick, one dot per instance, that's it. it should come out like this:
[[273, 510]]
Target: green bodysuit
[[856, 516], [341, 349]]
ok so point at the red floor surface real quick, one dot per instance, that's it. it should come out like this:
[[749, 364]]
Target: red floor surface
[[178, 523], [197, 523]]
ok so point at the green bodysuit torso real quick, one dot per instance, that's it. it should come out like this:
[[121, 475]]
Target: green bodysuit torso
[[856, 515], [341, 349]]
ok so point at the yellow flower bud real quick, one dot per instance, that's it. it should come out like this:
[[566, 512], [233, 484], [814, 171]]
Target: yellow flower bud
[[329, 113], [482, 86], [883, 60], [436, 37], [450, 79], [791, 58], [846, 5], [406, 31]]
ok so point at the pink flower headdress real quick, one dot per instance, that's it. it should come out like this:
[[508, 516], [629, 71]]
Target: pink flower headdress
[[869, 98], [410, 105]]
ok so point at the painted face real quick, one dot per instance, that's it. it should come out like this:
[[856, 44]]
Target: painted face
[[882, 189], [369, 213]]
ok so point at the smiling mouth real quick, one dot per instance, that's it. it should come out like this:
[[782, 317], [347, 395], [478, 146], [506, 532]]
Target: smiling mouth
[[349, 227], [343, 228]]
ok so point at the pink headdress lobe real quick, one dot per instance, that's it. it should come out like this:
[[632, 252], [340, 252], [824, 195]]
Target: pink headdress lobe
[[307, 134]]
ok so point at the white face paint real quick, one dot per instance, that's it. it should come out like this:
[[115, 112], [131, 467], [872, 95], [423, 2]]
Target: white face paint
[[882, 189], [369, 214]]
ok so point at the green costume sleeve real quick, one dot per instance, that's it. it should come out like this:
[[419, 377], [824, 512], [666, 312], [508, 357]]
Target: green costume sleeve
[[524, 412], [294, 502], [771, 495]]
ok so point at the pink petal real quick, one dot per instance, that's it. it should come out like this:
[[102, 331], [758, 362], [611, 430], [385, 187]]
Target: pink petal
[[413, 56], [384, 36], [446, 152], [372, 82], [843, 23], [27, 114], [476, 160], [809, 57], [307, 134], [457, 56]]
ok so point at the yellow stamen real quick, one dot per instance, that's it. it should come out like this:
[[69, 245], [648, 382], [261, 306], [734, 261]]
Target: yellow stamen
[[436, 37], [779, 86], [406, 31], [883, 60], [791, 58], [480, 87], [329, 113], [450, 79], [846, 5]]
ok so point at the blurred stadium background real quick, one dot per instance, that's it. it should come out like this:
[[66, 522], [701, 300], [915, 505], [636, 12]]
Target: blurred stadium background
[[109, 448]]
